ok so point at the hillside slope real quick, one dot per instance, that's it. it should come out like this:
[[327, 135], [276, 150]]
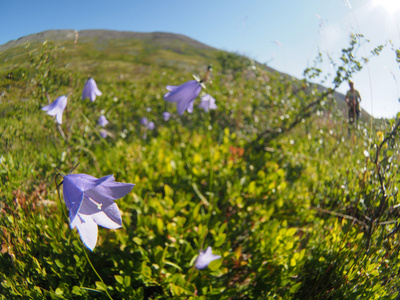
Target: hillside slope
[[71, 35], [126, 56], [292, 200]]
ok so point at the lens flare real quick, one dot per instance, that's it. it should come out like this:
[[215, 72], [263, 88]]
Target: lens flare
[[391, 6]]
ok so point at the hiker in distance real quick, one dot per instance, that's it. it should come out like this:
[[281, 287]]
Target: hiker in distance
[[353, 100]]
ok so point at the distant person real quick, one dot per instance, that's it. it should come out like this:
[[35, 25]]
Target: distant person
[[353, 100]]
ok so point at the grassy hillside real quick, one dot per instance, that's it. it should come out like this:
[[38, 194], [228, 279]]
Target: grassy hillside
[[297, 203]]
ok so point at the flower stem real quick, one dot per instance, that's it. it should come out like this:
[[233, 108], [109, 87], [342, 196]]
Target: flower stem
[[211, 198], [59, 197], [190, 275], [83, 248], [98, 275]]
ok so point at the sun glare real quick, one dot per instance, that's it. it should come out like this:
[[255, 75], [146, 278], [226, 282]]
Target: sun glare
[[391, 6]]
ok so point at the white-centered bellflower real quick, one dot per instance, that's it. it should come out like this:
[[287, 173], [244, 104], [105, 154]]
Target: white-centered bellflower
[[90, 202]]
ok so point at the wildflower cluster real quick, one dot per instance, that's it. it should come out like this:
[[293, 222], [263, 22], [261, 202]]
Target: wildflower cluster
[[185, 94], [91, 200]]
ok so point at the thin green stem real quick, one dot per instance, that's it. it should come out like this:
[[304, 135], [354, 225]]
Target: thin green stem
[[59, 197], [83, 248], [211, 198], [98, 275], [190, 274]]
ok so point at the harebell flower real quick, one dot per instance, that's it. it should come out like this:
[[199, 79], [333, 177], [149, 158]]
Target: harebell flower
[[90, 202], [90, 90], [56, 108], [205, 258]]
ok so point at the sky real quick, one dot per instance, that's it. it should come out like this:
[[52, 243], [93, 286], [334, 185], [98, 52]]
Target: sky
[[285, 34]]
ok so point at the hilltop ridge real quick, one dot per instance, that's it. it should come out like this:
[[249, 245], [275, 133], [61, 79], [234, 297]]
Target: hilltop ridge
[[70, 34], [117, 53]]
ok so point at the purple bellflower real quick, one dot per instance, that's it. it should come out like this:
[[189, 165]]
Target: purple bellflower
[[90, 202], [56, 108], [151, 126], [183, 95], [207, 103], [144, 121], [103, 133], [205, 258], [90, 90], [102, 121], [166, 115]]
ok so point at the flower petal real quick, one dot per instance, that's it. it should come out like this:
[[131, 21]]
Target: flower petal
[[56, 108], [109, 190], [109, 217], [90, 90], [151, 126], [103, 133], [166, 115], [73, 197], [190, 107], [87, 230], [102, 121], [86, 182], [185, 92], [207, 103], [205, 258], [144, 121], [172, 88], [59, 118], [73, 187], [92, 96]]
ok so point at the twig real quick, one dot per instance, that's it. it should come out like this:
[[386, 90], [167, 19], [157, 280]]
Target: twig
[[379, 210], [333, 213]]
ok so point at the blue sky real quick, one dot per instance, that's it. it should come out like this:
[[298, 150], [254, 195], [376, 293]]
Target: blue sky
[[285, 34]]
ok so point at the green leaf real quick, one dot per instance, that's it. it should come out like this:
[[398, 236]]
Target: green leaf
[[101, 286], [127, 281], [173, 265], [137, 240], [59, 264], [59, 291], [76, 290], [215, 264], [219, 240], [168, 190], [202, 198], [295, 287], [119, 279], [176, 290], [160, 225]]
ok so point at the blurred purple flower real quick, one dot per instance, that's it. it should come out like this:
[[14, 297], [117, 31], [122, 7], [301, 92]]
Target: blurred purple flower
[[90, 90], [205, 258], [184, 95], [166, 115], [90, 202], [103, 133], [102, 121], [207, 103], [144, 121], [56, 108], [151, 126]]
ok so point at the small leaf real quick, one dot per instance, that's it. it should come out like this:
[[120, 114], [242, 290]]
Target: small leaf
[[173, 265], [168, 190], [137, 240], [101, 286], [215, 264], [59, 291], [119, 279]]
